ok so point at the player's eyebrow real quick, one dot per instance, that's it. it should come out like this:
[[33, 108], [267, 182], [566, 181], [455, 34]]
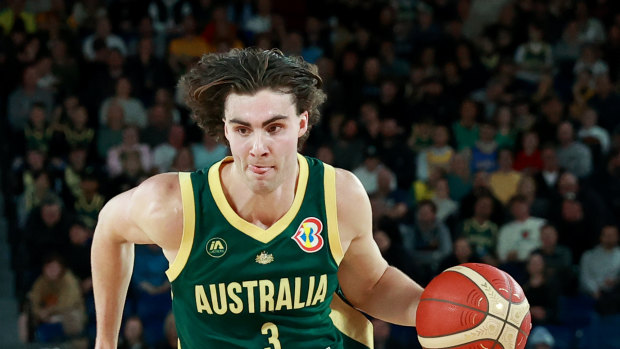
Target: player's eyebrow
[[265, 123]]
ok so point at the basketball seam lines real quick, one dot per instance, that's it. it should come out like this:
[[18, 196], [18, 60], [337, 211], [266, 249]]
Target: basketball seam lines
[[509, 300], [478, 310], [507, 312], [486, 313]]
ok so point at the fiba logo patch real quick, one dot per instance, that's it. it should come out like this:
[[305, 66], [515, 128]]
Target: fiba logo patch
[[216, 247], [308, 235]]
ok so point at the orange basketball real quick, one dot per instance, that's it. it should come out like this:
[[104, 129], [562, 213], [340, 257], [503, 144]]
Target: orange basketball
[[473, 306]]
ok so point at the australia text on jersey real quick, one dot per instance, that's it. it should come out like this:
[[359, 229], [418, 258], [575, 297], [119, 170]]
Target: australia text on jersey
[[261, 295]]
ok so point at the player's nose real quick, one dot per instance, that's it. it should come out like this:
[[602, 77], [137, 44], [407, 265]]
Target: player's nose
[[259, 145]]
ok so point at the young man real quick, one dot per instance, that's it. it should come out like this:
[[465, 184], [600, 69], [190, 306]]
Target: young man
[[262, 243]]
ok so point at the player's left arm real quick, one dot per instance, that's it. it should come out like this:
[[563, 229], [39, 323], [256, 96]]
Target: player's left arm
[[366, 279]]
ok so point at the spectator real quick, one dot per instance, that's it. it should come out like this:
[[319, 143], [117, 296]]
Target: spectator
[[459, 177], [349, 146], [590, 61], [461, 253], [506, 135], [153, 301], [573, 156], [534, 57], [606, 102], [504, 182], [158, 126], [147, 72], [90, 201], [57, 304], [393, 252], [568, 48], [208, 152], [558, 258], [541, 338], [529, 159], [519, 237], [37, 132], [76, 133], [368, 171], [466, 130], [111, 134], [103, 32], [171, 339], [552, 109], [480, 231], [76, 167], [428, 241], [102, 80], [541, 291], [14, 15], [261, 21], [22, 99], [485, 150], [539, 206], [447, 209], [481, 188], [132, 174], [47, 229], [183, 161], [593, 135], [131, 142], [133, 335], [546, 180], [186, 49], [600, 271], [164, 153], [425, 189], [438, 154], [133, 110], [591, 30], [78, 254]]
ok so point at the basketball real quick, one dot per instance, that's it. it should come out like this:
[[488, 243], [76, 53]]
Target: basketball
[[473, 306]]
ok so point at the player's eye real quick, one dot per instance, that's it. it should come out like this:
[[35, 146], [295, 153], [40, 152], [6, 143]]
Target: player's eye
[[242, 131], [274, 128]]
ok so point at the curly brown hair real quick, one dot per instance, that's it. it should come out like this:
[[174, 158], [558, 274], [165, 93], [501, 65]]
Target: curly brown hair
[[247, 71]]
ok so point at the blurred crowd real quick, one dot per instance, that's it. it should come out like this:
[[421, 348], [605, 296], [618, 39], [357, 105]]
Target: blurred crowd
[[483, 131]]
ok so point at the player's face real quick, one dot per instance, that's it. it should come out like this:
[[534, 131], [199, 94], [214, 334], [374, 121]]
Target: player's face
[[263, 131]]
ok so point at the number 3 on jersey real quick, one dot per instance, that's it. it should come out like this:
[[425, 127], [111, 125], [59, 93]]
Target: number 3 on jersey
[[269, 328]]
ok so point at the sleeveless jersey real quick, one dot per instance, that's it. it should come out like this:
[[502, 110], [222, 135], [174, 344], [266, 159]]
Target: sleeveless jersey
[[236, 285]]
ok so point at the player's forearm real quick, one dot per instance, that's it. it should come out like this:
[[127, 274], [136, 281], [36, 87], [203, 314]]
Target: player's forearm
[[112, 263], [394, 298]]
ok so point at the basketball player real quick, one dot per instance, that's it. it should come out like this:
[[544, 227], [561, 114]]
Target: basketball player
[[265, 241]]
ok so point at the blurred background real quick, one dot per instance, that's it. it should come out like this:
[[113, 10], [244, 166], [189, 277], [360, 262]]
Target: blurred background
[[482, 130]]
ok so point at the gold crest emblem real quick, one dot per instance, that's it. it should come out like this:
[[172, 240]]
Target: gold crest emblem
[[264, 258]]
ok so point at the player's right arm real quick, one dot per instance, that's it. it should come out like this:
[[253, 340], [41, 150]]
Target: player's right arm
[[148, 214]]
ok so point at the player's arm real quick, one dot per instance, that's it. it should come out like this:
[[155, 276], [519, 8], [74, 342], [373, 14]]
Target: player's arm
[[366, 279], [146, 214]]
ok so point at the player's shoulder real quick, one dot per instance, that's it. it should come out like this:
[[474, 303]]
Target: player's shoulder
[[162, 184], [348, 185]]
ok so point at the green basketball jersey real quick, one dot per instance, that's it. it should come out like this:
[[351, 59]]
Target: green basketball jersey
[[236, 285]]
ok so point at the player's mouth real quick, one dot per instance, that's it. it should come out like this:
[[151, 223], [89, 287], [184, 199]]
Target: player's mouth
[[259, 170]]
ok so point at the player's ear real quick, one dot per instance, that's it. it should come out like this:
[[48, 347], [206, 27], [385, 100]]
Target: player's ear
[[303, 123]]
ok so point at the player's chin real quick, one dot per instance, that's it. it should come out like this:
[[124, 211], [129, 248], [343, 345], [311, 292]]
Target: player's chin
[[262, 184]]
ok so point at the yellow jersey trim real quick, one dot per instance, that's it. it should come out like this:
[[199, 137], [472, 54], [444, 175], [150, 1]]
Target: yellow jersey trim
[[189, 223], [251, 230], [351, 322], [329, 183]]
